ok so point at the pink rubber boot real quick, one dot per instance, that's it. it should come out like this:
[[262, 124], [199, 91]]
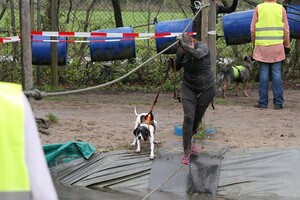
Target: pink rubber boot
[[194, 149], [185, 159]]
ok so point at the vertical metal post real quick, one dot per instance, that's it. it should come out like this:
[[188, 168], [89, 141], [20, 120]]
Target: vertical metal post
[[26, 57]]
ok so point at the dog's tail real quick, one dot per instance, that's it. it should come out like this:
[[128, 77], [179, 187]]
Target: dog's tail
[[135, 111]]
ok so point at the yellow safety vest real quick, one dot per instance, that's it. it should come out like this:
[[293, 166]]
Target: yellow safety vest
[[14, 178], [269, 27]]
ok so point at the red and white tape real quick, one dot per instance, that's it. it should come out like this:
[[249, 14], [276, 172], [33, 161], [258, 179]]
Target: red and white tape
[[9, 39], [106, 34], [118, 36]]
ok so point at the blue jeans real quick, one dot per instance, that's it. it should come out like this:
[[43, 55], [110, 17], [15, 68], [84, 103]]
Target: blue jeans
[[277, 84]]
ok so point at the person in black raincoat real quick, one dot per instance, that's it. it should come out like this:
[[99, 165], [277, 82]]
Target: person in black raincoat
[[198, 88]]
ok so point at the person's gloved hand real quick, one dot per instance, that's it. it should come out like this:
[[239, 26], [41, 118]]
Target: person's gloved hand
[[287, 50], [180, 40]]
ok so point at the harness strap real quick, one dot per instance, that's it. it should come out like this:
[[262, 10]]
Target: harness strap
[[239, 78]]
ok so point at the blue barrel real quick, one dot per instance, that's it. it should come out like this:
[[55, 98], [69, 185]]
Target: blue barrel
[[173, 26], [236, 27], [293, 15], [112, 50], [41, 51]]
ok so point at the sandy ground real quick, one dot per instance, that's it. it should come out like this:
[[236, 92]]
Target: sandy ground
[[106, 119]]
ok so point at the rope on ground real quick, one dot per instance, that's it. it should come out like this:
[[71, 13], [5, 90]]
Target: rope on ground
[[35, 93], [168, 178]]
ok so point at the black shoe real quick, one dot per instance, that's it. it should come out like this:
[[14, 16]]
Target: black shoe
[[260, 106], [278, 107]]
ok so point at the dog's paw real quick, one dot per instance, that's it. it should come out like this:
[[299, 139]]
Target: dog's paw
[[137, 151], [133, 144], [152, 157]]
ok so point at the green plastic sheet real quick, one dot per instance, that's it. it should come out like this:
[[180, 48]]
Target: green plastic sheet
[[62, 153]]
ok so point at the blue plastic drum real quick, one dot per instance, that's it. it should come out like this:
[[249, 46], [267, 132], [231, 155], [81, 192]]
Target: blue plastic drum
[[41, 51], [293, 15], [112, 50], [236, 27], [173, 26]]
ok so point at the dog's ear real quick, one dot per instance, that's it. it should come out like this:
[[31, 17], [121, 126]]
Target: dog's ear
[[142, 118], [250, 58]]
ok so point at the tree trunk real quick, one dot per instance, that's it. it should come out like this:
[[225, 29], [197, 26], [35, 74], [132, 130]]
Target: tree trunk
[[26, 56], [54, 67], [85, 29], [13, 26], [4, 7], [118, 13]]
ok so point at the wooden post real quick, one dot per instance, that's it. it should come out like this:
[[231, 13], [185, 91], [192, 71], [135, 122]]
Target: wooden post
[[26, 57], [212, 35], [54, 60], [204, 27]]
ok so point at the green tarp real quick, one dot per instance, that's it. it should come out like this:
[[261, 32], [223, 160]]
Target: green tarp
[[62, 153]]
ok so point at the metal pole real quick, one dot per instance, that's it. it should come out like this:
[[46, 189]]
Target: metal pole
[[26, 57]]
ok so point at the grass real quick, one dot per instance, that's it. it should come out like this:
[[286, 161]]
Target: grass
[[222, 101], [52, 118], [200, 133]]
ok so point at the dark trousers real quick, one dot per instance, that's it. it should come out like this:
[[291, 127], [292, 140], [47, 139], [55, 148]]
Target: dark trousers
[[194, 106]]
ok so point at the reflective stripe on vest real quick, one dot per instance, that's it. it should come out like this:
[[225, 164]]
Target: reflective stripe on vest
[[14, 178], [269, 27]]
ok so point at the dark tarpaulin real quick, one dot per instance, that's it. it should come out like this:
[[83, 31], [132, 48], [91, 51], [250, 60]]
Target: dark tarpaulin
[[200, 176], [126, 175], [214, 173], [261, 173]]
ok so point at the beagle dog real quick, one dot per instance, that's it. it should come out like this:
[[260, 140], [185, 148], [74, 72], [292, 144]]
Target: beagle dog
[[144, 129]]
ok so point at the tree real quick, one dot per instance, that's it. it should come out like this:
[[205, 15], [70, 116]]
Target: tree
[[118, 13], [4, 7], [53, 24]]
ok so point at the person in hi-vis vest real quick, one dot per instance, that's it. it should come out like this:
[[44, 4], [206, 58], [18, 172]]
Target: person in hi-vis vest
[[24, 173], [271, 39]]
